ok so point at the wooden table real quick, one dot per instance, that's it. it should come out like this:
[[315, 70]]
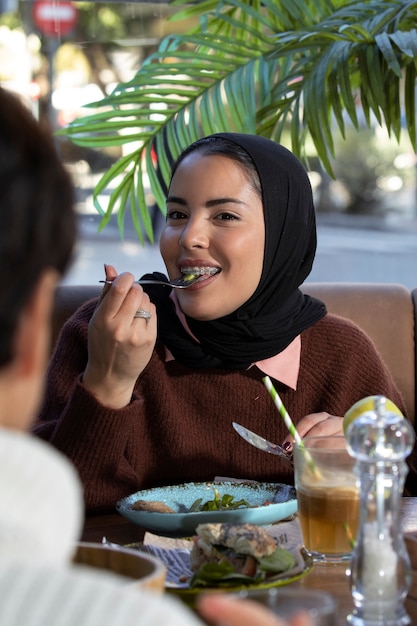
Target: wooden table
[[333, 578]]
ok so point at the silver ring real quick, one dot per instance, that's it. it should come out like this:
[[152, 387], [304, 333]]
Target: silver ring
[[143, 314]]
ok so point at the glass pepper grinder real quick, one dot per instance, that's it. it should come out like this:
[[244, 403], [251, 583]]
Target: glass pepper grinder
[[380, 441]]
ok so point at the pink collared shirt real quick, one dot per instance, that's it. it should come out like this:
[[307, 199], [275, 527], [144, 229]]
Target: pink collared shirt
[[284, 366]]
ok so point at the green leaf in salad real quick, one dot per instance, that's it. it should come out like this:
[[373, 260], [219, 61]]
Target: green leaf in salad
[[219, 575], [279, 561], [223, 574], [196, 505], [218, 503]]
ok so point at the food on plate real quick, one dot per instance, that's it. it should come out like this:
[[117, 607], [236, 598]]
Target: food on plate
[[228, 554], [151, 505], [218, 503]]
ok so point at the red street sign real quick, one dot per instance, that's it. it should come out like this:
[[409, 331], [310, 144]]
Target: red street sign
[[54, 17]]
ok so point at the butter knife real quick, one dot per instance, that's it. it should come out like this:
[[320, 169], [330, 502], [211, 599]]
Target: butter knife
[[262, 444]]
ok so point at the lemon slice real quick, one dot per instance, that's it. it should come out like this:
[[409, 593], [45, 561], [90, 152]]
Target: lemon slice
[[365, 405]]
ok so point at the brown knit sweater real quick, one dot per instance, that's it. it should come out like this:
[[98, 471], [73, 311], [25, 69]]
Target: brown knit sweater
[[178, 426]]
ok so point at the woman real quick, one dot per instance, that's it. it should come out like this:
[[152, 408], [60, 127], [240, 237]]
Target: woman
[[138, 402], [41, 507]]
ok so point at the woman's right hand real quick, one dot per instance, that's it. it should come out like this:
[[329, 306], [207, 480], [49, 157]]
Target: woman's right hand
[[120, 345]]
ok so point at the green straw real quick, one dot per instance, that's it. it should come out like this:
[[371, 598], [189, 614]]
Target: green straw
[[289, 423], [282, 410], [294, 433]]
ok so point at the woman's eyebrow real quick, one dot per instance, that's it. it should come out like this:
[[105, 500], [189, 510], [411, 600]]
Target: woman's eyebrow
[[226, 200], [176, 199], [209, 203]]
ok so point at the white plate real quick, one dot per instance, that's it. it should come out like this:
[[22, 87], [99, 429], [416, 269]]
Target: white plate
[[181, 497]]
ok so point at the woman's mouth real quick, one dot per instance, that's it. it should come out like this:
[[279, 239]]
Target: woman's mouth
[[190, 273]]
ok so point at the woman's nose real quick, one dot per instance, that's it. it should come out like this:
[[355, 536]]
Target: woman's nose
[[194, 234]]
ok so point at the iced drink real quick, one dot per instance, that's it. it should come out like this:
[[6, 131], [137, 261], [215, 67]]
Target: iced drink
[[328, 498]]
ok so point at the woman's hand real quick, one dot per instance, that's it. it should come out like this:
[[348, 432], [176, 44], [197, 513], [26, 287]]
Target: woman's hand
[[229, 611], [120, 345], [316, 425]]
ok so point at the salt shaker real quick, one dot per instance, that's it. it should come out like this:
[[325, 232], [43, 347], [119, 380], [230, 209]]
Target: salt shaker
[[380, 441]]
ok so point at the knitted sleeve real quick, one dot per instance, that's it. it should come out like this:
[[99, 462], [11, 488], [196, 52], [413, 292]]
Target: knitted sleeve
[[93, 436]]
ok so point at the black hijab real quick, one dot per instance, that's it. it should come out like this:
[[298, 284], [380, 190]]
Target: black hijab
[[277, 311]]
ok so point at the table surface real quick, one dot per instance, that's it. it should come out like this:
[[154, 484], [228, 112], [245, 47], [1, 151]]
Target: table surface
[[333, 578]]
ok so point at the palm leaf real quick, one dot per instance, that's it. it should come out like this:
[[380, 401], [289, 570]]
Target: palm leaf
[[255, 66]]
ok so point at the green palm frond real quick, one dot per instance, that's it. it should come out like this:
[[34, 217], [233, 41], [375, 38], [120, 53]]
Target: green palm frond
[[258, 67]]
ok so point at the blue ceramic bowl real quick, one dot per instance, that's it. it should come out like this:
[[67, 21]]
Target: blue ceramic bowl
[[269, 503]]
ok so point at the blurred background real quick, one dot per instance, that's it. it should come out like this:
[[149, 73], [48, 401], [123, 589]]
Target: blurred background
[[61, 56]]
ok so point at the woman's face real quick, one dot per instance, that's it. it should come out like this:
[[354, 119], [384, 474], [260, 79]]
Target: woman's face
[[214, 220]]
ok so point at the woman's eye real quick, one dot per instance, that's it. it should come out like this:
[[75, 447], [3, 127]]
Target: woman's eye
[[227, 217], [175, 215]]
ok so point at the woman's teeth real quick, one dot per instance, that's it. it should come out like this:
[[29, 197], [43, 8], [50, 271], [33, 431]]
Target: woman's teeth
[[192, 272]]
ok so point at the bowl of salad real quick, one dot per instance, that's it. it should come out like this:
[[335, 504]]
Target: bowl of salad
[[177, 510]]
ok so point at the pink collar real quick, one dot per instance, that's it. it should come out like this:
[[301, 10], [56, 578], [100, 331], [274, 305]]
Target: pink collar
[[284, 366]]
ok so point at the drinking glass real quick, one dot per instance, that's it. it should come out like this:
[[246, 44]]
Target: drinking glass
[[328, 497], [320, 606]]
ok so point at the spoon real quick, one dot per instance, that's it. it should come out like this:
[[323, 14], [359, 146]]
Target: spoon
[[262, 444], [179, 283]]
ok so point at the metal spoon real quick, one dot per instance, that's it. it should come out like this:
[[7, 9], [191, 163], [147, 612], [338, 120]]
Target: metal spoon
[[262, 444], [178, 283]]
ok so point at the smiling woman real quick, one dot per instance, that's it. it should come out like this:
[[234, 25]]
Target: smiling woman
[[141, 403], [214, 222]]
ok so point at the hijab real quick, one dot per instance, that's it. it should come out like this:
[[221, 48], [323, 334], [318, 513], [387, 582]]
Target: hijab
[[277, 311]]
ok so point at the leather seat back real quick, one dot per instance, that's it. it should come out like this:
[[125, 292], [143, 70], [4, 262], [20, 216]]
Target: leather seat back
[[386, 313]]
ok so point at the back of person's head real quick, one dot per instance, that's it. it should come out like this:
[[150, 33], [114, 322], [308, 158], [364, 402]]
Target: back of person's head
[[38, 224]]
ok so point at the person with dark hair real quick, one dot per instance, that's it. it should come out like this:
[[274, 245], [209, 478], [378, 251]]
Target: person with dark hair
[[38, 224], [37, 235], [41, 498], [145, 382]]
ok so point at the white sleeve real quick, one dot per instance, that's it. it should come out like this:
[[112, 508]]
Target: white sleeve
[[82, 596]]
